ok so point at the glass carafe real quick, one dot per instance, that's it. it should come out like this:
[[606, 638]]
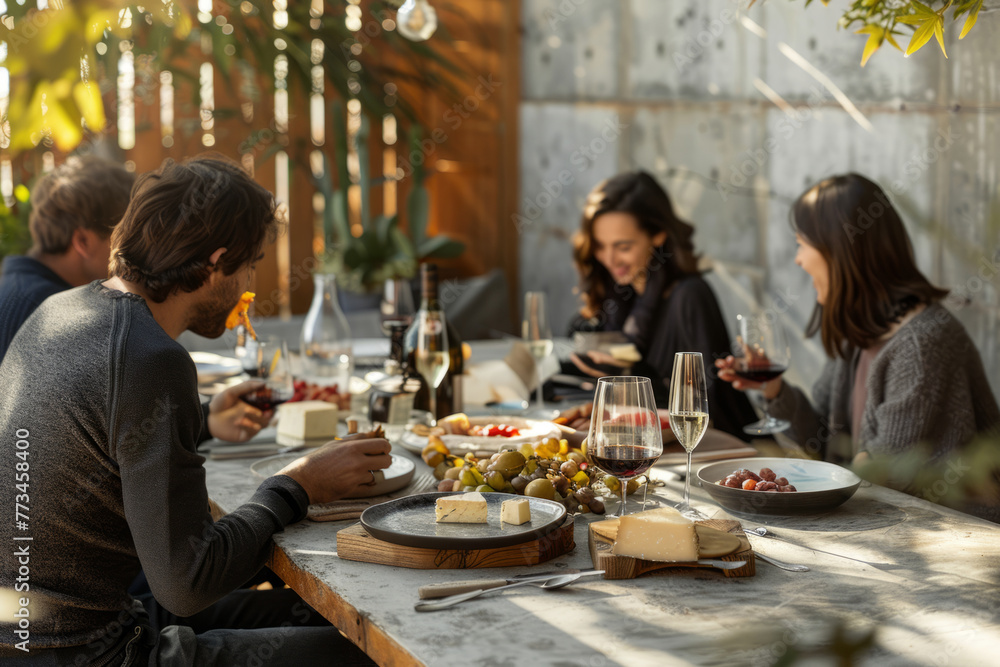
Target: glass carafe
[[325, 345]]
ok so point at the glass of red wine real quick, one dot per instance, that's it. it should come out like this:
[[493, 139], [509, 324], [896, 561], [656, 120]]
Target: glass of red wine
[[625, 438], [764, 357], [267, 360]]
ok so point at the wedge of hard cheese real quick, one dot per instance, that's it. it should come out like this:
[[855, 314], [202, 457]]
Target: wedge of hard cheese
[[657, 535], [307, 420], [466, 508]]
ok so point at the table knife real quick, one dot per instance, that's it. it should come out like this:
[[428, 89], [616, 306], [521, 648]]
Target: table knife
[[432, 591]]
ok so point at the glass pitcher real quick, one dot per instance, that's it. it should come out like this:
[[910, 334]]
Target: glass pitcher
[[325, 345]]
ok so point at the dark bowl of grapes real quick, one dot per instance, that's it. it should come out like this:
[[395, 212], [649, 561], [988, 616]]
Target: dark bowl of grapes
[[777, 486]]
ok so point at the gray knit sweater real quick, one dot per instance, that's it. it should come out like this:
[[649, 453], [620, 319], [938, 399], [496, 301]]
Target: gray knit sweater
[[927, 385], [107, 406]]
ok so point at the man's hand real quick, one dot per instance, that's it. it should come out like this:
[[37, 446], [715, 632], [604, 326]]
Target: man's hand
[[338, 468], [577, 418], [594, 358], [231, 419]]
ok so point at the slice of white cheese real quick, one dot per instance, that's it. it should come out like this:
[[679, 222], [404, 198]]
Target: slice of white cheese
[[515, 512], [658, 535], [308, 420], [466, 508]]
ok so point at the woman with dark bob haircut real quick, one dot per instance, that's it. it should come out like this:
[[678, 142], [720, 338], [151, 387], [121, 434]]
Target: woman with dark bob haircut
[[902, 370], [638, 275]]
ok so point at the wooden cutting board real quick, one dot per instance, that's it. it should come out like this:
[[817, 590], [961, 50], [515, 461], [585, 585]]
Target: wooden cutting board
[[355, 543], [626, 567]]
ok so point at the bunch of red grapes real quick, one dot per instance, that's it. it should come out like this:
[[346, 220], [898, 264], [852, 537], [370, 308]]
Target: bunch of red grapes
[[748, 480]]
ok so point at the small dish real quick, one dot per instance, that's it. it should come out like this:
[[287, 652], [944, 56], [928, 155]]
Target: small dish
[[821, 486]]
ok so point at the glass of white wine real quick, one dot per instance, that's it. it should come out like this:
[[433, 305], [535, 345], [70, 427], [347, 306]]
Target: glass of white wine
[[432, 352], [537, 334], [688, 411]]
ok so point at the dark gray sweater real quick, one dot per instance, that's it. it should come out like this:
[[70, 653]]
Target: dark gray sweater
[[110, 405], [927, 385]]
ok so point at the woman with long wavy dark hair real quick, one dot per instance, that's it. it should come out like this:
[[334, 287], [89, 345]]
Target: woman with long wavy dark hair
[[638, 275], [902, 371]]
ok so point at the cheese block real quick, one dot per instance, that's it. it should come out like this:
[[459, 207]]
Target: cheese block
[[516, 511], [466, 508], [308, 420], [657, 535]]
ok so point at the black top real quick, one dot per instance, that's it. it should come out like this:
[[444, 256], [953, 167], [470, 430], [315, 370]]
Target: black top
[[106, 406], [687, 319], [24, 284]]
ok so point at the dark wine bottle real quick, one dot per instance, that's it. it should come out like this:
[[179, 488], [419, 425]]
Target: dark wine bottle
[[449, 394]]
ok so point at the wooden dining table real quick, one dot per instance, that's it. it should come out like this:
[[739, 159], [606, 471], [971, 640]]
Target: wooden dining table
[[893, 579]]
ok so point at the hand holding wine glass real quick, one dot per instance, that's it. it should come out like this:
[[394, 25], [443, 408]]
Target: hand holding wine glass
[[765, 356], [432, 352], [268, 361], [625, 438], [688, 410]]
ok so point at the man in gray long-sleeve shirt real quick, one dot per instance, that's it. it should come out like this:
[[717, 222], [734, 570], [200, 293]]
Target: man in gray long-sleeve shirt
[[101, 419]]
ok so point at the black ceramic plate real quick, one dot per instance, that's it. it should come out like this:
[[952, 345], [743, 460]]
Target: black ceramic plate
[[410, 522], [821, 486]]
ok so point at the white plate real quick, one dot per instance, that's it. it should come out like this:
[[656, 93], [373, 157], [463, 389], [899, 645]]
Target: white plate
[[395, 477], [213, 367], [532, 431]]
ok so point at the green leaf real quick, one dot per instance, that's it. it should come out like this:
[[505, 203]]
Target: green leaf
[[921, 36], [383, 228], [440, 247], [417, 212], [922, 8], [364, 169], [971, 21]]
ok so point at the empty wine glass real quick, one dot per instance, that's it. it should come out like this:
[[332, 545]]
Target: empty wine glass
[[765, 356], [267, 360], [396, 308], [536, 333], [625, 437], [432, 352], [688, 411]]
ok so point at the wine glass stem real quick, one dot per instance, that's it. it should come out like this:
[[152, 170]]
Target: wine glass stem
[[434, 404], [624, 486], [763, 396], [541, 400], [687, 483]]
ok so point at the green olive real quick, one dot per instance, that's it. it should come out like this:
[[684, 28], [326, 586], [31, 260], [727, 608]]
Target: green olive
[[495, 480], [484, 488], [540, 488], [467, 478], [509, 464]]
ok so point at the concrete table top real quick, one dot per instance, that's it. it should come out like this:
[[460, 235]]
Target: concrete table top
[[925, 578]]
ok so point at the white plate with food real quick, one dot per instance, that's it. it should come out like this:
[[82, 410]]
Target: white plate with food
[[462, 434]]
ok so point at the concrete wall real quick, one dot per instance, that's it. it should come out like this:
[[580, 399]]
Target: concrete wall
[[674, 87]]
